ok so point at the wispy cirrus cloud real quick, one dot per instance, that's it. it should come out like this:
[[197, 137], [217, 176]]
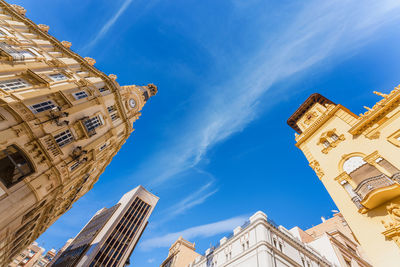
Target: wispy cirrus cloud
[[317, 32], [206, 230], [107, 26]]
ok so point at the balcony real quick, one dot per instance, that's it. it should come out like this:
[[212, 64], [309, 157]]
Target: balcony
[[376, 190]]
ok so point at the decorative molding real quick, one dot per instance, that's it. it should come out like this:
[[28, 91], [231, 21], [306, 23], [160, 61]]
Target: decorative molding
[[90, 61], [371, 158], [317, 168], [113, 77], [393, 226], [67, 44], [19, 9], [44, 27]]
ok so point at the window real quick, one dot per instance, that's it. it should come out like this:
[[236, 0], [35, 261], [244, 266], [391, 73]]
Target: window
[[74, 166], [64, 138], [80, 95], [92, 123], [43, 106], [114, 116], [13, 84], [14, 166], [334, 137], [103, 147], [326, 143], [57, 77], [103, 89], [16, 54], [111, 109]]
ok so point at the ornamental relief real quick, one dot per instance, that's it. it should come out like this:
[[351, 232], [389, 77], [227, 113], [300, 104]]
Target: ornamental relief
[[393, 226], [317, 168]]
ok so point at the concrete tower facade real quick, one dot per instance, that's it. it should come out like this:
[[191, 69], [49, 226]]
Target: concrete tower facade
[[109, 238], [357, 158], [61, 122]]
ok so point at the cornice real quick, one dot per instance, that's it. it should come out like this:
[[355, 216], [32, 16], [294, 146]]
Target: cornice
[[377, 112]]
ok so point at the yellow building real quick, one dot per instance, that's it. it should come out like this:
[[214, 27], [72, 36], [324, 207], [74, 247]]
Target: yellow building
[[61, 123], [357, 158], [181, 254]]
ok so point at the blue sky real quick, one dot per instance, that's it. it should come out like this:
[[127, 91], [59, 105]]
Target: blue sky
[[213, 144]]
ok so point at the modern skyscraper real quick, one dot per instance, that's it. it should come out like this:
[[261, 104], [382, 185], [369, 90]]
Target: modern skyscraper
[[357, 158], [61, 122], [109, 238]]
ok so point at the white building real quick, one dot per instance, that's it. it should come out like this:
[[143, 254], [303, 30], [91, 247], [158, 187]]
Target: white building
[[260, 243]]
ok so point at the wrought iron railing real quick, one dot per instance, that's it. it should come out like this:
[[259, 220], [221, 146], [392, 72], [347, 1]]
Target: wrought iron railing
[[373, 183]]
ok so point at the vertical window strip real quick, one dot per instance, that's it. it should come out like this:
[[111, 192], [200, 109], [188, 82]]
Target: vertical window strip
[[129, 231], [43, 106], [13, 84], [111, 108], [64, 138]]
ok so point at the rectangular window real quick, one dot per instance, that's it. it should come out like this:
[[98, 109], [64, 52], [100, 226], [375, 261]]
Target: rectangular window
[[103, 147], [43, 106], [74, 166], [58, 77], [114, 116], [111, 109], [103, 89], [64, 138], [80, 95], [92, 123], [13, 84]]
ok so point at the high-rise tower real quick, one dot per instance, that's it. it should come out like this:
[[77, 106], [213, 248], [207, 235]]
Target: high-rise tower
[[61, 122], [109, 238], [357, 158]]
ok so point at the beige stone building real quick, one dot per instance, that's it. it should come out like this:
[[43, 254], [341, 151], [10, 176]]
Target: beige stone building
[[334, 239], [357, 158], [28, 257], [180, 254], [61, 122]]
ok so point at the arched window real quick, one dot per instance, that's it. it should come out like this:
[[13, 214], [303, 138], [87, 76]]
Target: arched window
[[14, 166]]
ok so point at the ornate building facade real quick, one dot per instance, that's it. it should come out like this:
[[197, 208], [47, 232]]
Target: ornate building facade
[[259, 242], [61, 122], [357, 158]]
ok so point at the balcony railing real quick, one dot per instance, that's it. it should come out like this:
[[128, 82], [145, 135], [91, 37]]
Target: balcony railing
[[370, 184]]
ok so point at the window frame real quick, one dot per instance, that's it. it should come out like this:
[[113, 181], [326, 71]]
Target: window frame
[[77, 95], [23, 175], [70, 138], [10, 88], [50, 103]]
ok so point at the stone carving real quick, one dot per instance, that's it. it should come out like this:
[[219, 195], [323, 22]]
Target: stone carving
[[20, 10], [112, 77], [68, 45], [310, 117], [90, 60], [393, 226], [317, 168], [44, 27]]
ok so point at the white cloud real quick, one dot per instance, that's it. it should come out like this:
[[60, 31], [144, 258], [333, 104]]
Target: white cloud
[[193, 199], [320, 30], [206, 230], [151, 260], [106, 27]]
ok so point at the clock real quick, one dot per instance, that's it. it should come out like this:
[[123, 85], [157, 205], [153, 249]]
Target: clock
[[132, 103]]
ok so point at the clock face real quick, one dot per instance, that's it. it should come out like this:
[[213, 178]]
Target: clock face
[[132, 103]]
